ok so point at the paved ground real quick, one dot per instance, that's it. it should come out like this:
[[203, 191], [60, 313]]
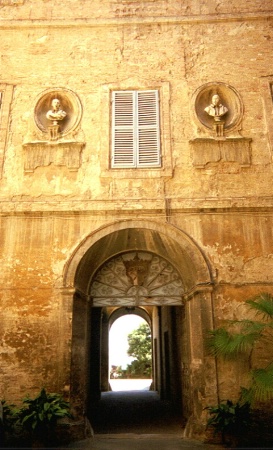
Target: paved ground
[[137, 412], [142, 442], [137, 420]]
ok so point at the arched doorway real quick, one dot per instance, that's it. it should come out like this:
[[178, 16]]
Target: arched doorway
[[180, 315], [124, 323], [141, 281]]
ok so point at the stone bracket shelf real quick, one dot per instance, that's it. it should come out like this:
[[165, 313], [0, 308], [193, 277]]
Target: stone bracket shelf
[[209, 150], [44, 153]]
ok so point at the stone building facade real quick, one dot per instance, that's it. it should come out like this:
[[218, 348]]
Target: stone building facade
[[134, 191]]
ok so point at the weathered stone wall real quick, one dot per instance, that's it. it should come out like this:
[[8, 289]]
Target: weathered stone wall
[[56, 57], [224, 206]]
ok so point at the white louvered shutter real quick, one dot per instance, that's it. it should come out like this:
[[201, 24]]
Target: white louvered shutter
[[148, 129], [135, 131], [123, 129]]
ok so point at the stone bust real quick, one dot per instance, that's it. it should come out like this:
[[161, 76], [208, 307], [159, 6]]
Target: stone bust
[[216, 109], [56, 113]]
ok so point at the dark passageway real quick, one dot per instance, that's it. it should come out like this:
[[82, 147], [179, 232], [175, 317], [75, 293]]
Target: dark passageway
[[135, 412]]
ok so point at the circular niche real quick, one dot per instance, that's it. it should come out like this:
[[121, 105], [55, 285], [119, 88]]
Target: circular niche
[[229, 97], [69, 102]]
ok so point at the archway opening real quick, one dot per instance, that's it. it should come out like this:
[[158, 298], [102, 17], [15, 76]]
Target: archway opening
[[151, 409], [130, 354], [157, 269]]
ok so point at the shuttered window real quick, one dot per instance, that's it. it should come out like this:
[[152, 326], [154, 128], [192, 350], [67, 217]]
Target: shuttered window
[[135, 129]]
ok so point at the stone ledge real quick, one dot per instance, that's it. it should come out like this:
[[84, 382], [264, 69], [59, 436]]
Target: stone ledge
[[209, 150], [148, 208], [120, 21], [44, 153]]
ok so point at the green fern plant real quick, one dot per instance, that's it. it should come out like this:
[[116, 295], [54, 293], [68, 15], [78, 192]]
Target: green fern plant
[[241, 337], [229, 419], [39, 415], [9, 417]]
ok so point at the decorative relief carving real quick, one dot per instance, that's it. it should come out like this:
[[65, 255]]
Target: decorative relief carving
[[55, 115], [54, 135], [61, 106], [232, 150], [218, 111], [137, 279], [42, 154], [214, 102], [136, 270]]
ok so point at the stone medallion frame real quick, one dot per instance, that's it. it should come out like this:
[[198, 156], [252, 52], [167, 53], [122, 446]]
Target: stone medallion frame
[[218, 138], [57, 141], [70, 103], [229, 97]]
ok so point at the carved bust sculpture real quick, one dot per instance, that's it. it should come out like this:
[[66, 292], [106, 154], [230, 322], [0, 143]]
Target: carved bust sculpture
[[56, 113], [216, 109]]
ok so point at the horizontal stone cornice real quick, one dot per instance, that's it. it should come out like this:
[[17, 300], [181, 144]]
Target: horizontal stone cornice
[[131, 208], [120, 21]]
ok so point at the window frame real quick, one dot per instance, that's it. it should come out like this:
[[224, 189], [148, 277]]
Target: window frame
[[103, 135], [135, 129]]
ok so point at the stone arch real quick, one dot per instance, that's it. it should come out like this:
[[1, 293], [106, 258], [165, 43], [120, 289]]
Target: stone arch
[[164, 240], [167, 242], [123, 311], [109, 316]]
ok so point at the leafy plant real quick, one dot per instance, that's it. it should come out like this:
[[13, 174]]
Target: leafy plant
[[241, 337], [229, 418], [7, 421], [39, 416], [140, 348], [9, 417]]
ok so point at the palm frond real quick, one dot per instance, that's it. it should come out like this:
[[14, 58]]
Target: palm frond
[[263, 304], [249, 326], [263, 329], [223, 343], [261, 389]]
